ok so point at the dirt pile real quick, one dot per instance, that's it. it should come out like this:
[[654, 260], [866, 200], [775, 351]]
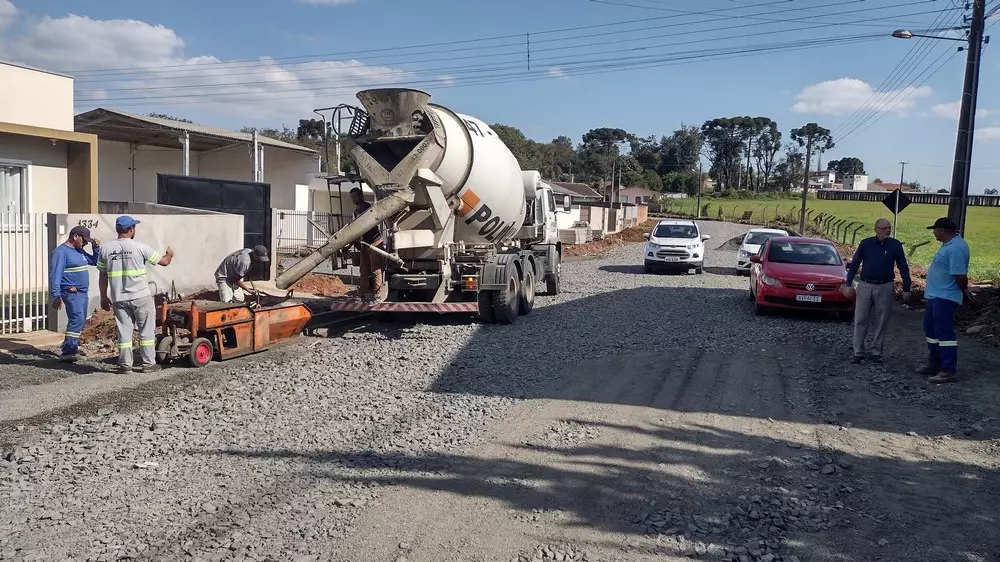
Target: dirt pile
[[983, 318], [617, 240], [324, 285], [100, 330]]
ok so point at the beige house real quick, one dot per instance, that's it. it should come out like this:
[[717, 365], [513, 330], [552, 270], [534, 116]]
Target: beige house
[[45, 166]]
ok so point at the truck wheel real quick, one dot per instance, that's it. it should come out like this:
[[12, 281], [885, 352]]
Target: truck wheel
[[527, 291], [506, 302], [485, 301], [552, 282]]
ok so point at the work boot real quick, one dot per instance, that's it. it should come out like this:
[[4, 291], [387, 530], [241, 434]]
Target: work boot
[[857, 359], [929, 370], [124, 369], [151, 368], [68, 358], [943, 377]]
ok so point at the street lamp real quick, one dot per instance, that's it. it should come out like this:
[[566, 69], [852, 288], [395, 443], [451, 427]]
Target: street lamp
[[962, 168]]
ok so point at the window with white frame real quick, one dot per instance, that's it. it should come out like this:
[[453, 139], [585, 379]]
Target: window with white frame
[[15, 191]]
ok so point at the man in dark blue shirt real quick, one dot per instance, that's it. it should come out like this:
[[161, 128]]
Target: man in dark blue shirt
[[877, 256]]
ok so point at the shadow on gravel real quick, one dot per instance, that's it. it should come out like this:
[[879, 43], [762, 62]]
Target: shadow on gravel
[[640, 270], [723, 489], [728, 271]]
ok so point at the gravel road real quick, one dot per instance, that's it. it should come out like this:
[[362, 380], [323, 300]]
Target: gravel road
[[633, 417]]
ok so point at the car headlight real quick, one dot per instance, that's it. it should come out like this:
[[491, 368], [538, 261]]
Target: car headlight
[[692, 246], [744, 254], [770, 281]]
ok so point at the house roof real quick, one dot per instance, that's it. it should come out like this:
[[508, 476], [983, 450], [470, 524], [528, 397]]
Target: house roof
[[577, 189], [640, 190], [114, 125], [26, 67]]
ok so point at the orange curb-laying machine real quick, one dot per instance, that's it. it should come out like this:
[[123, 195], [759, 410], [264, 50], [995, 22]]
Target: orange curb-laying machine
[[203, 330]]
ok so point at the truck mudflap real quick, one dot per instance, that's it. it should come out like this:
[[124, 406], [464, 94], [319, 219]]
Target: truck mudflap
[[440, 308]]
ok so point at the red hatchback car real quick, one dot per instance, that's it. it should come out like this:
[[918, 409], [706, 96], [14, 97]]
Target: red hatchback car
[[799, 273]]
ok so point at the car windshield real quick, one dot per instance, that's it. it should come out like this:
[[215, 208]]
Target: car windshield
[[804, 253], [675, 231], [758, 238]]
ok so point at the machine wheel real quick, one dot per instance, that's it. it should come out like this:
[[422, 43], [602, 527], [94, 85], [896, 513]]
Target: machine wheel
[[527, 300], [163, 347], [486, 314], [201, 352], [506, 302]]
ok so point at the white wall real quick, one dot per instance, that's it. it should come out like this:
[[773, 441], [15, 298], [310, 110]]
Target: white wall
[[566, 220], [35, 98], [200, 243], [283, 169], [48, 177]]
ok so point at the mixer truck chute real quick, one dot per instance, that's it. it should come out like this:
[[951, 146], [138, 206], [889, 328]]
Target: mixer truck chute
[[467, 229]]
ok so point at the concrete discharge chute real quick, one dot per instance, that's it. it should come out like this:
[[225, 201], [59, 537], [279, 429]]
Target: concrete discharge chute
[[464, 222]]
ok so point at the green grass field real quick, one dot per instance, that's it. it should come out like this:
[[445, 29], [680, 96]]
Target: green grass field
[[983, 225]]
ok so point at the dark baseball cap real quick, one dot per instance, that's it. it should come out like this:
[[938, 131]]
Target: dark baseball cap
[[260, 252], [82, 231], [945, 223]]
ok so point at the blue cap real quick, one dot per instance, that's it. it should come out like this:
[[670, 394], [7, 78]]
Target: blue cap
[[125, 222]]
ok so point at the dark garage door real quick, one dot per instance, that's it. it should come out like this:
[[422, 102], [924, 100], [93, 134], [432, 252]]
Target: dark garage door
[[250, 199]]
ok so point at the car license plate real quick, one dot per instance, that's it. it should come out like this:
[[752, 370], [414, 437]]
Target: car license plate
[[809, 298], [671, 258]]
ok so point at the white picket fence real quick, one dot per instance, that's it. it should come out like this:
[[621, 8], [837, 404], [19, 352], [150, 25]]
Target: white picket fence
[[24, 265]]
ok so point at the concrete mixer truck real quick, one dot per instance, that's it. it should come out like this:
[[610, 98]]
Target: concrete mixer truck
[[467, 231]]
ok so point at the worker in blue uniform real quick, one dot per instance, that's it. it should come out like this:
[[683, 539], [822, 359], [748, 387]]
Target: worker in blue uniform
[[69, 283]]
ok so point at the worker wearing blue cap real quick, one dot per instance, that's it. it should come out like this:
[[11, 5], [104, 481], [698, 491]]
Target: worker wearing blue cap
[[69, 282], [122, 267]]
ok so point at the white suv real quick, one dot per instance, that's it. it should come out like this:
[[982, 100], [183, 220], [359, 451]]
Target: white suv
[[675, 244], [752, 242]]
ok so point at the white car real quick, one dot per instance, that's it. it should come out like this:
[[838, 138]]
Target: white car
[[752, 242], [675, 244]]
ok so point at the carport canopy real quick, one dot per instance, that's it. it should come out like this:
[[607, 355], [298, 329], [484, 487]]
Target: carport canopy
[[144, 130]]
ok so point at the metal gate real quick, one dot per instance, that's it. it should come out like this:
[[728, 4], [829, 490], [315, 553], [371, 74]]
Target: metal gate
[[250, 199], [24, 266]]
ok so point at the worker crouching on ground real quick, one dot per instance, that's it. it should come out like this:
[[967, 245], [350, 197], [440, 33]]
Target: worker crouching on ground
[[124, 287], [370, 262], [69, 283], [230, 273]]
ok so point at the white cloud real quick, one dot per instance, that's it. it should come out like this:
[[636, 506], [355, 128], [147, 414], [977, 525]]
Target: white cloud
[[7, 13], [556, 72], [844, 95], [952, 110], [446, 79], [988, 133], [265, 90]]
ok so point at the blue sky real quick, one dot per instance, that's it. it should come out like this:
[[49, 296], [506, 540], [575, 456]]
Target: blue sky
[[678, 61]]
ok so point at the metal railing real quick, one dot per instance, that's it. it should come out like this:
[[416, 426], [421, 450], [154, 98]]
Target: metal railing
[[304, 231], [24, 266]]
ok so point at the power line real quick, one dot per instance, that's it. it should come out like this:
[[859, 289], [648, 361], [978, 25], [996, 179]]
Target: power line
[[461, 69], [865, 109], [862, 126], [516, 70], [521, 76], [209, 67]]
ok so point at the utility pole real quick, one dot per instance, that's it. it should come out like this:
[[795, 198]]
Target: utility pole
[[895, 212], [967, 118], [805, 188], [701, 182]]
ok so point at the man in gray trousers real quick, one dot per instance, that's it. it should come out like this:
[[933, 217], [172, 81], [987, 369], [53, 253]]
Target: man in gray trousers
[[877, 257], [122, 267]]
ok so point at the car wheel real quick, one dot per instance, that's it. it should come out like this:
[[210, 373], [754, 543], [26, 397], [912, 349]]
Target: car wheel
[[758, 309], [647, 268], [699, 270]]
